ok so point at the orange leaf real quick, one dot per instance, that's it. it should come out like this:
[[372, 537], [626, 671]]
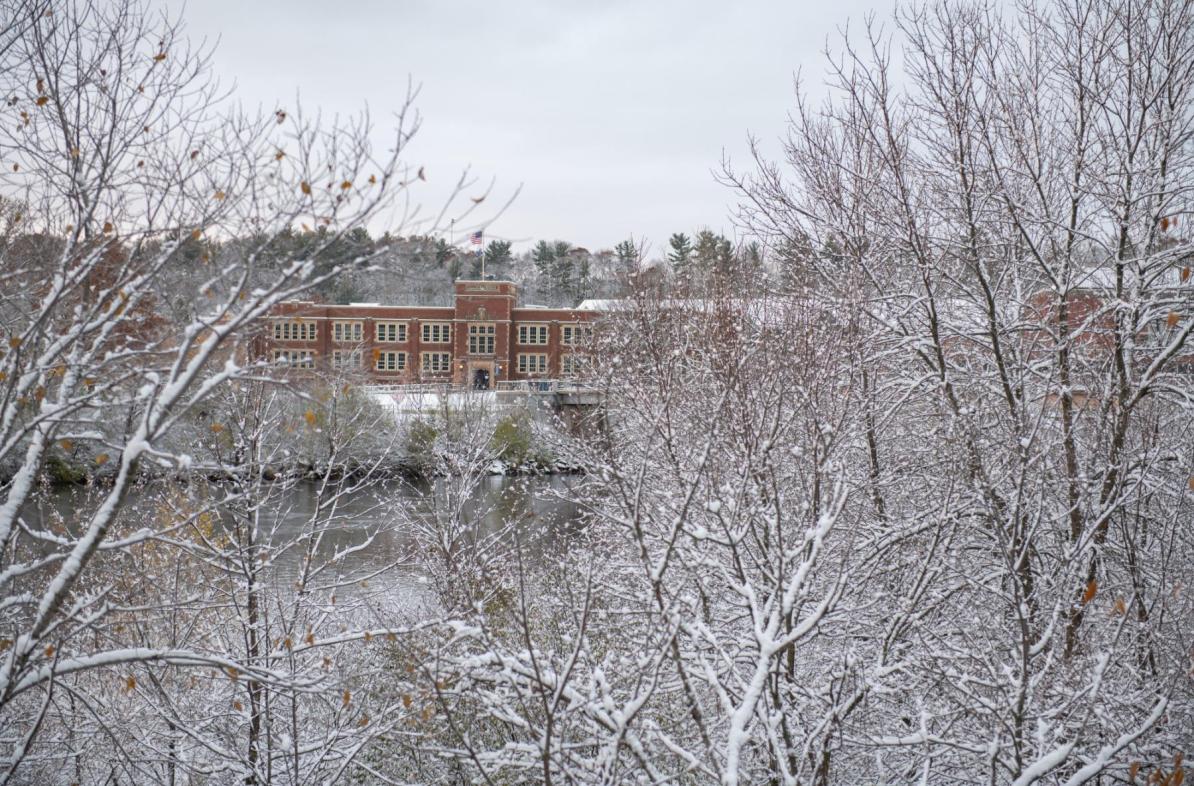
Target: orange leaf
[[236, 705], [130, 683], [219, 196], [50, 651], [347, 698], [42, 100], [196, 234], [101, 459], [364, 721], [372, 179], [310, 417], [1089, 594], [309, 638], [216, 428], [287, 643], [108, 227], [1185, 274], [74, 152], [232, 673], [279, 155], [347, 184], [66, 444], [14, 342], [368, 636], [305, 186], [159, 57], [41, 85], [406, 700], [1119, 607], [1133, 768], [1172, 319]]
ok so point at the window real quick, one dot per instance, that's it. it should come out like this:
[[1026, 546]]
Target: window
[[296, 358], [532, 364], [391, 361], [391, 332], [436, 362], [571, 335], [295, 330], [347, 331], [437, 332], [532, 334], [346, 360], [480, 339], [571, 365]]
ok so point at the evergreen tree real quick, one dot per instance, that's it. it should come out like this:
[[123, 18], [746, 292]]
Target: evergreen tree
[[680, 255], [627, 256], [497, 258], [712, 254], [543, 255]]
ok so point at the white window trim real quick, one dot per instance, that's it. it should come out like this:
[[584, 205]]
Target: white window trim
[[295, 329], [401, 331], [346, 359], [524, 361], [571, 333], [423, 365], [354, 330], [529, 334], [487, 336], [382, 364], [305, 358], [426, 333]]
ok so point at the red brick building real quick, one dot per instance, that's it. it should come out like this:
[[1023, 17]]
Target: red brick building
[[483, 339]]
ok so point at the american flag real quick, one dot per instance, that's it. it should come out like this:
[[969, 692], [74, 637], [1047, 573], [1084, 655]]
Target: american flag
[[475, 238]]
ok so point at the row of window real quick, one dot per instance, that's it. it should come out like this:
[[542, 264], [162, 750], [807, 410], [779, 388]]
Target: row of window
[[481, 335], [294, 331], [431, 362]]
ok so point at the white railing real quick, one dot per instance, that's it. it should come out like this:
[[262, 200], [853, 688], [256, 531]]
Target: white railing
[[545, 385], [514, 386]]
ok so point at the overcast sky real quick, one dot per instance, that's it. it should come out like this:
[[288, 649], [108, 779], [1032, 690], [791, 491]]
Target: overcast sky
[[611, 114]]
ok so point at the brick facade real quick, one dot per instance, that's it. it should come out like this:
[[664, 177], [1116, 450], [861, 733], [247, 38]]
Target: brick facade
[[487, 333]]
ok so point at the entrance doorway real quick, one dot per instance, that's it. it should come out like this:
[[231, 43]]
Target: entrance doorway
[[481, 379]]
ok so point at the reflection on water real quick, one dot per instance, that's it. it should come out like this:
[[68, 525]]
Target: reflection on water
[[369, 529]]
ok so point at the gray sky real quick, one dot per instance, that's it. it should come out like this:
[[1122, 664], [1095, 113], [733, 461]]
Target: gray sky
[[612, 114]]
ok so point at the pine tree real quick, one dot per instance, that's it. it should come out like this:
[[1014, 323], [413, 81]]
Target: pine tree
[[681, 254], [713, 254], [543, 255], [497, 257], [627, 256]]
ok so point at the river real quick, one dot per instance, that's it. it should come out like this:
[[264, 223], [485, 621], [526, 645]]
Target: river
[[386, 511]]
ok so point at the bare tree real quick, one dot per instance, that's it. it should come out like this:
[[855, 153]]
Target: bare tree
[[1000, 215], [119, 155]]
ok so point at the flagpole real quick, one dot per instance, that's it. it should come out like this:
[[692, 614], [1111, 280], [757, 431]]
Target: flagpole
[[481, 251]]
